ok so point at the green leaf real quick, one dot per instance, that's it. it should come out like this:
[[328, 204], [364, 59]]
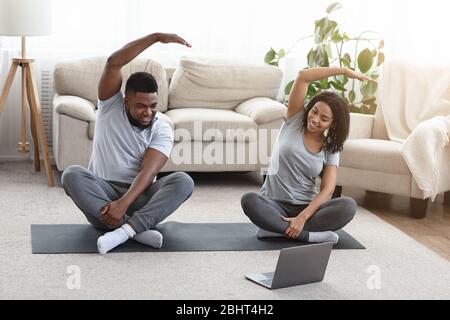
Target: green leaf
[[327, 49], [334, 85], [346, 37], [354, 109], [364, 109], [381, 45], [324, 28], [281, 53], [333, 7], [316, 84], [325, 60], [336, 38], [311, 90], [319, 25], [274, 63], [288, 88], [363, 90], [352, 96], [381, 59], [324, 84], [365, 60], [312, 58], [372, 87], [319, 58], [345, 80], [270, 56], [369, 101], [368, 90], [374, 76], [337, 85], [348, 58], [345, 62], [374, 53]]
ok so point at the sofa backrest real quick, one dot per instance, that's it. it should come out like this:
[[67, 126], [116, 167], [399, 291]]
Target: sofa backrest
[[220, 84], [80, 77]]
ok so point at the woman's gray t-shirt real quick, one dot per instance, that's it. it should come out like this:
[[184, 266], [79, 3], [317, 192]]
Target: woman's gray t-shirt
[[293, 169]]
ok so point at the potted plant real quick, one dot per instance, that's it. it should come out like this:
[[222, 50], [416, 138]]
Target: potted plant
[[333, 47]]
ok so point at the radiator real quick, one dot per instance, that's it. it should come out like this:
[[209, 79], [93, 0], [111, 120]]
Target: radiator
[[45, 74]]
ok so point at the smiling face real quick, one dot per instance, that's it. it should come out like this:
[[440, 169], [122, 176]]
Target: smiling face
[[320, 118], [141, 106]]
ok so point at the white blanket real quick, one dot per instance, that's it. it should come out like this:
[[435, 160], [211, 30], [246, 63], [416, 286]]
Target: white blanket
[[415, 100]]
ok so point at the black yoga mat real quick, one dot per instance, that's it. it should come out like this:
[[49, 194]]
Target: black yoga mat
[[82, 238]]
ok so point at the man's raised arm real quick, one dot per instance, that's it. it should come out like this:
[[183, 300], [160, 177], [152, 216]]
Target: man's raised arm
[[111, 79]]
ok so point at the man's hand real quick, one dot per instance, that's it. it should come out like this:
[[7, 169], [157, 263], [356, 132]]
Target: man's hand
[[113, 212], [172, 38], [295, 226]]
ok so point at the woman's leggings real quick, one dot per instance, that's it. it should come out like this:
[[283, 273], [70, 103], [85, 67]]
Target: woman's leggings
[[266, 214]]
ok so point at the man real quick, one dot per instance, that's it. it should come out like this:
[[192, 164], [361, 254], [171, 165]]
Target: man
[[119, 192]]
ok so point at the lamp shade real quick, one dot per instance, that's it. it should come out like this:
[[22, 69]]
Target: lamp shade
[[25, 17]]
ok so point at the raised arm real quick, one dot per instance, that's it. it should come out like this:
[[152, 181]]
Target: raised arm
[[300, 88], [111, 79]]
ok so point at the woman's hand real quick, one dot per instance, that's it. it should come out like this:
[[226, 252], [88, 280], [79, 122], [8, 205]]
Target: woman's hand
[[295, 226], [356, 75]]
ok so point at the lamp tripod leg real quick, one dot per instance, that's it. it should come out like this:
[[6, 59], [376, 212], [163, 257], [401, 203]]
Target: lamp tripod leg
[[34, 135], [24, 146]]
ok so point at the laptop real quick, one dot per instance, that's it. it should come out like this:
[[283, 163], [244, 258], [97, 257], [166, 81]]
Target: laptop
[[296, 266]]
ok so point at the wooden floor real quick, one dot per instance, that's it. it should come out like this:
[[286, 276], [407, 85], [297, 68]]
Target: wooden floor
[[433, 231]]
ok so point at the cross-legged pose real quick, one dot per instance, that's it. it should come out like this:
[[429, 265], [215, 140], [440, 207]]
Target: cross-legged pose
[[119, 191], [307, 146]]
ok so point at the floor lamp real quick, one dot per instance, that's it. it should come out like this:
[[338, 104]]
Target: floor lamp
[[27, 18]]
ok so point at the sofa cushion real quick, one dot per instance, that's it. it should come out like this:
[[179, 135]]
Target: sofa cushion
[[75, 107], [374, 155], [204, 124], [262, 110], [220, 84], [81, 77]]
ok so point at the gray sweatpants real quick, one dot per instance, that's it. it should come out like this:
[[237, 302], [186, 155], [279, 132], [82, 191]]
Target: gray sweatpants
[[266, 214], [91, 193]]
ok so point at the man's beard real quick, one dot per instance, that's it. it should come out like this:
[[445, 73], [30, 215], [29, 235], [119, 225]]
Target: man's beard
[[136, 123]]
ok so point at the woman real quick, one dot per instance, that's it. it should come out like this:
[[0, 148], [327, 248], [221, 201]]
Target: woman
[[307, 146]]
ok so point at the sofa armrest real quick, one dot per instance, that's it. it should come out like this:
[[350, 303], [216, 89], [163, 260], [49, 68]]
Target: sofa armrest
[[361, 126], [262, 110], [74, 107]]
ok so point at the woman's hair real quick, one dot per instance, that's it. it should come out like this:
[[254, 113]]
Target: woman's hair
[[338, 132]]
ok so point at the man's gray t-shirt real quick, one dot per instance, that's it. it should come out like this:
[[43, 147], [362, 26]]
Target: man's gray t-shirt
[[293, 169], [119, 147]]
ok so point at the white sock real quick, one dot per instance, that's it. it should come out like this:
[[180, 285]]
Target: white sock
[[325, 236], [150, 238], [112, 239], [261, 233]]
